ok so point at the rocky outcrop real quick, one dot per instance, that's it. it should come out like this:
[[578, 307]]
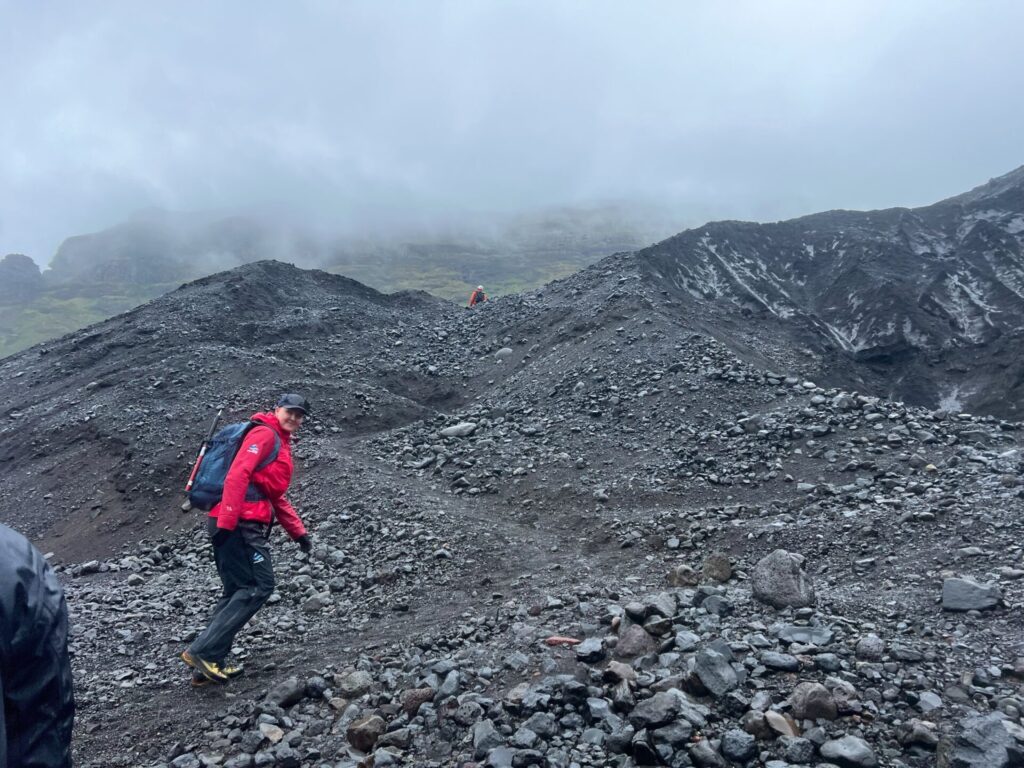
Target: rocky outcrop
[[20, 279], [928, 302]]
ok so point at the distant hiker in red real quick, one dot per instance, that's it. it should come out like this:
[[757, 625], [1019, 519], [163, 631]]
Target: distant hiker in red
[[239, 527], [478, 296]]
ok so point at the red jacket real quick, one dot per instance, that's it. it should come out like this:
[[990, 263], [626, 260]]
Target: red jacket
[[272, 480]]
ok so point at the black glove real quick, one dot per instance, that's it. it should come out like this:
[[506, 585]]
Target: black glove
[[305, 543], [221, 536]]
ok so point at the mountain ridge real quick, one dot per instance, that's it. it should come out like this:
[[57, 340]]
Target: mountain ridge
[[905, 289]]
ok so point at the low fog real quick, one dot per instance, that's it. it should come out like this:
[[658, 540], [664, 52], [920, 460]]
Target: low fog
[[371, 119]]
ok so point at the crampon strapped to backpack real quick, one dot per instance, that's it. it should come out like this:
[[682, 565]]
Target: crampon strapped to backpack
[[206, 486]]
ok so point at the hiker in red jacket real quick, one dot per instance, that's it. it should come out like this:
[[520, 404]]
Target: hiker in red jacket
[[478, 296], [239, 527]]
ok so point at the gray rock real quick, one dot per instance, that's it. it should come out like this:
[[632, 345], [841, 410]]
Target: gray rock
[[686, 641], [691, 711], [981, 742], [676, 735], [524, 738], [929, 701], [462, 429], [738, 746], [485, 737], [705, 756], [715, 672], [400, 737], [791, 633], [662, 604], [849, 752], [870, 648], [619, 739], [527, 757], [500, 757], [919, 733], [963, 594], [660, 709], [812, 701], [355, 685], [797, 750], [644, 753], [779, 580], [451, 684], [717, 605], [317, 603], [634, 641], [593, 736], [542, 723], [782, 662], [286, 757], [828, 662], [287, 693], [590, 650]]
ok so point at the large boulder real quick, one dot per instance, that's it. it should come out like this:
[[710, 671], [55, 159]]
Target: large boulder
[[20, 279], [963, 594], [981, 742], [780, 581]]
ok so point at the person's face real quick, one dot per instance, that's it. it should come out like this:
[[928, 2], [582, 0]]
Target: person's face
[[290, 419]]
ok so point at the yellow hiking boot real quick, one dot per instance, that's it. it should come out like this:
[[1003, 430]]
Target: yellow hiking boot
[[207, 669]]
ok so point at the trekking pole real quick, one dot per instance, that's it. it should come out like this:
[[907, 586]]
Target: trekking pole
[[202, 451]]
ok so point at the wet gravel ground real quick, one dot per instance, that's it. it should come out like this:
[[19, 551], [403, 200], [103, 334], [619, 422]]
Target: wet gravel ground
[[582, 462]]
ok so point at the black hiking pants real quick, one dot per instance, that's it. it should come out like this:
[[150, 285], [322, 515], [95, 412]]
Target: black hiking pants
[[247, 573]]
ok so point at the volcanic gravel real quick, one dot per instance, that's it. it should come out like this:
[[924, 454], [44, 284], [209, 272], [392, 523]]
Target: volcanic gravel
[[568, 528]]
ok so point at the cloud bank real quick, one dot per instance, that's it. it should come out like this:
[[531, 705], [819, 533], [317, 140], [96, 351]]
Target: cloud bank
[[363, 117]]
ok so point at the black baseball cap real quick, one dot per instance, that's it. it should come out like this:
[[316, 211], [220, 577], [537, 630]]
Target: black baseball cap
[[294, 402]]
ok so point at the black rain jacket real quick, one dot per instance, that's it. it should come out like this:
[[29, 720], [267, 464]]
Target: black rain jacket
[[35, 673]]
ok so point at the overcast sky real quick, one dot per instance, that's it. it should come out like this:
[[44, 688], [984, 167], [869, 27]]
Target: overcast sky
[[376, 114]]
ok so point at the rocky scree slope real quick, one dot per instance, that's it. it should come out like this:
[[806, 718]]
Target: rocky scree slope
[[922, 304], [581, 461], [98, 427]]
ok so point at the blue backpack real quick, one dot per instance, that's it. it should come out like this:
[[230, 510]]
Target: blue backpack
[[208, 486]]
